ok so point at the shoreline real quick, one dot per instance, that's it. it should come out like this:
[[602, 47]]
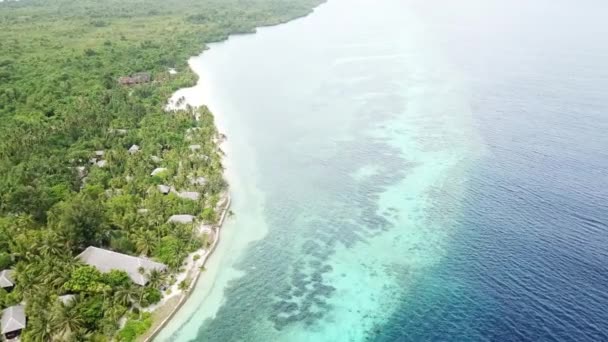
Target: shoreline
[[164, 313], [197, 268]]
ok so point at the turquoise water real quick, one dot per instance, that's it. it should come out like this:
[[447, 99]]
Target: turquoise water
[[368, 145]]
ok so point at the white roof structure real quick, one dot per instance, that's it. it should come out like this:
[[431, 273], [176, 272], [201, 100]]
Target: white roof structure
[[199, 156], [142, 211], [194, 147], [118, 130], [181, 219], [105, 261], [172, 71], [13, 319], [191, 195], [165, 189], [198, 181], [66, 299], [158, 170], [82, 171], [101, 163], [134, 149], [99, 153], [6, 279], [156, 159]]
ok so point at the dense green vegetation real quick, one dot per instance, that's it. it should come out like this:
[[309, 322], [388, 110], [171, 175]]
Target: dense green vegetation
[[59, 103]]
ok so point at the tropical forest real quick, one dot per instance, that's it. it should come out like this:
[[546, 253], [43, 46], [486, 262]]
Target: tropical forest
[[90, 155]]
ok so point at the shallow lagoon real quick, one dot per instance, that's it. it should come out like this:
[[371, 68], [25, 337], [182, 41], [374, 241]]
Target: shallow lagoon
[[391, 183]]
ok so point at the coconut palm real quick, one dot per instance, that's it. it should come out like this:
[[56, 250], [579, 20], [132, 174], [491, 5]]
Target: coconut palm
[[127, 295], [39, 329], [145, 242], [59, 272], [66, 319], [156, 278], [52, 245], [80, 335]]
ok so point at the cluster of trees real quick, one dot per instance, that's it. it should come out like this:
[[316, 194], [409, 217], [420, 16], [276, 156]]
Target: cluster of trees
[[59, 102]]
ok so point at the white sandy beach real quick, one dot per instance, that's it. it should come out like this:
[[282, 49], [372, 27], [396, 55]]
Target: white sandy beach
[[238, 232]]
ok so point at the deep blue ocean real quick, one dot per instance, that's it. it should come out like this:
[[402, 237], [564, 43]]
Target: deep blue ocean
[[530, 258], [409, 170]]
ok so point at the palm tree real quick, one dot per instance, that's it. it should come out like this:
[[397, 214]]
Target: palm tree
[[39, 329], [52, 246], [59, 272], [142, 294], [145, 242], [65, 319], [126, 295], [184, 285], [156, 278], [80, 335]]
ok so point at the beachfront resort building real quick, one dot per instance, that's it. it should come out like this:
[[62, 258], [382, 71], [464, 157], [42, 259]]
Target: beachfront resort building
[[12, 322], [105, 261]]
